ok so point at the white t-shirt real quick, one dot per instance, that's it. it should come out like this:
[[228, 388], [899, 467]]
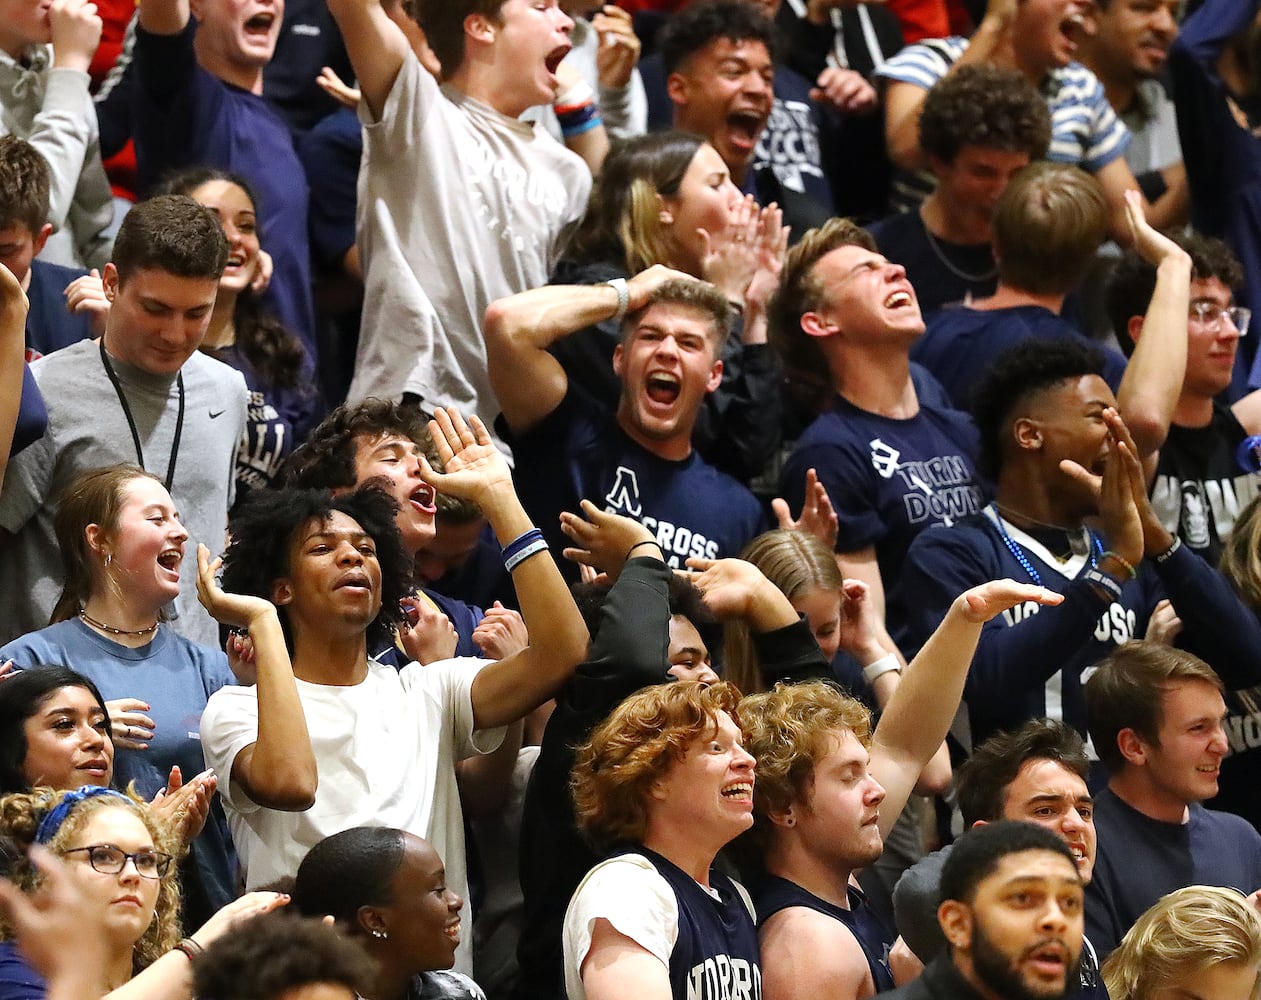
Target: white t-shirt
[[630, 894], [385, 751], [458, 206]]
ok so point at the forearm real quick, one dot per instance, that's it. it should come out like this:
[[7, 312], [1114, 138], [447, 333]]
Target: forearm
[[558, 636], [532, 321], [1153, 378], [1217, 625], [789, 654], [163, 17], [485, 779], [1204, 34], [169, 978], [12, 374], [62, 131], [282, 772]]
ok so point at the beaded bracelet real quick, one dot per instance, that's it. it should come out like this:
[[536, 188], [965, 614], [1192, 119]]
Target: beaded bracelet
[[1125, 563]]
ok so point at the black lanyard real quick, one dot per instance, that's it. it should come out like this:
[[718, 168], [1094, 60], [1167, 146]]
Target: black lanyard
[[131, 421]]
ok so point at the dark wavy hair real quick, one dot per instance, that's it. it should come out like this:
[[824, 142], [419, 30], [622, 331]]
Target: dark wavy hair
[[694, 27], [275, 353], [262, 530], [1017, 374], [983, 778], [984, 106], [21, 696]]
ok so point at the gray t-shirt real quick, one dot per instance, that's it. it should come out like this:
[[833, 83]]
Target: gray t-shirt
[[87, 429], [459, 205]]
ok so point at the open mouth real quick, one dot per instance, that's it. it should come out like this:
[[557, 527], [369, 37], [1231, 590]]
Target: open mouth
[[1079, 852], [1072, 28], [423, 499], [745, 128], [236, 259], [899, 300], [1050, 958], [741, 791], [556, 57], [170, 560], [260, 23], [452, 931], [662, 388]]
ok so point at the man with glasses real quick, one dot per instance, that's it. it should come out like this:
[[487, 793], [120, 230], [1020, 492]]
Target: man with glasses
[[1207, 467]]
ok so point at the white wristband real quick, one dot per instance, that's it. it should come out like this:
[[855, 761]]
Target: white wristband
[[884, 665], [623, 297]]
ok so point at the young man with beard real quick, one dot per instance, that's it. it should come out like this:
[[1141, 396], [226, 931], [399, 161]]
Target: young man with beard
[[829, 790], [1127, 52], [1034, 774], [892, 463], [385, 741], [639, 461], [1060, 454], [665, 783], [1011, 911], [1156, 718], [460, 202]]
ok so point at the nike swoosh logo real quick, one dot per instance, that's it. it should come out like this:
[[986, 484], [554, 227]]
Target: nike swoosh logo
[[219, 414]]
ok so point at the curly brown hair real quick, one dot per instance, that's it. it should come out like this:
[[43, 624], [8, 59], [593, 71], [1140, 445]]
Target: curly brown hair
[[787, 730], [635, 746], [20, 816], [801, 292], [984, 106]]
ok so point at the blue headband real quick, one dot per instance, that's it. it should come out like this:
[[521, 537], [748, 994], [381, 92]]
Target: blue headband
[[51, 823]]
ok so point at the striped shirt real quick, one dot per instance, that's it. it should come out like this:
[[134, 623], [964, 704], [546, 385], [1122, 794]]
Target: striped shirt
[[1084, 129]]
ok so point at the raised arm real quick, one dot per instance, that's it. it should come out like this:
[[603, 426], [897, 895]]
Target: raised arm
[[278, 769], [13, 310], [527, 380], [903, 99], [376, 46], [506, 690], [921, 709], [1153, 378], [163, 17]]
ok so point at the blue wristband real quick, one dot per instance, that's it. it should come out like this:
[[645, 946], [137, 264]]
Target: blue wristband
[[524, 553]]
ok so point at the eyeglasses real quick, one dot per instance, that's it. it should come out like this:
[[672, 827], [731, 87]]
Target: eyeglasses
[[1210, 314], [110, 860]]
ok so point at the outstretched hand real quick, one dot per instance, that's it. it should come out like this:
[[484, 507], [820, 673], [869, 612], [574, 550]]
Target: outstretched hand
[[475, 469], [604, 540], [989, 600], [237, 610], [818, 517], [728, 586]]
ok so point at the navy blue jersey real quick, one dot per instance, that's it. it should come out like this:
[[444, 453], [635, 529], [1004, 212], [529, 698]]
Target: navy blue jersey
[[1031, 661], [578, 452], [961, 344], [716, 954], [888, 479], [872, 936]]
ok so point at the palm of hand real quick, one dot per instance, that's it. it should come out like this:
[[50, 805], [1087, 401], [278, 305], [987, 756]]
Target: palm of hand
[[476, 466]]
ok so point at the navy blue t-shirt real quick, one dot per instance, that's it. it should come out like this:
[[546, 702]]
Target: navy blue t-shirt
[[579, 452], [32, 414], [49, 326], [960, 344], [330, 153], [888, 479], [184, 116], [968, 269]]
